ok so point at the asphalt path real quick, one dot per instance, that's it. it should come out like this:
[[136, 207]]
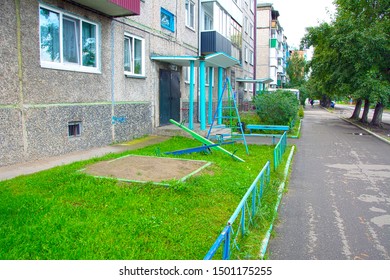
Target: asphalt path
[[337, 206]]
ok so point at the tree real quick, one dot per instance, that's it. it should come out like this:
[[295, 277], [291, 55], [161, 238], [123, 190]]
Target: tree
[[296, 70], [351, 55]]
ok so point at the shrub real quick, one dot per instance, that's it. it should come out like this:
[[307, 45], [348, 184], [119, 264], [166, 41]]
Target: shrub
[[279, 107], [301, 112]]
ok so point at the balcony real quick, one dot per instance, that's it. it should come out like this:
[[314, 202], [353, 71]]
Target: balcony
[[113, 8], [214, 42]]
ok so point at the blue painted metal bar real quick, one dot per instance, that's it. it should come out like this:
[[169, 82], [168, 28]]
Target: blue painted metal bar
[[210, 114], [220, 93], [245, 197], [202, 99], [196, 149], [254, 202], [226, 247], [243, 220], [225, 235], [191, 97], [279, 150]]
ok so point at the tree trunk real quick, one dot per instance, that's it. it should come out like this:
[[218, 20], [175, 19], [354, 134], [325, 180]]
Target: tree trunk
[[325, 101], [377, 118], [358, 108], [364, 118]]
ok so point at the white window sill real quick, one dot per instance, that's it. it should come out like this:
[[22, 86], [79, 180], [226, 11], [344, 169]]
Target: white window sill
[[70, 67], [135, 76]]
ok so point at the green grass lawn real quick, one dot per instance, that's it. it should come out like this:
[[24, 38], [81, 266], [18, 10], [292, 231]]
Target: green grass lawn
[[62, 213]]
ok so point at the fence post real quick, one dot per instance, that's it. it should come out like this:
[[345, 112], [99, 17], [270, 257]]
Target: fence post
[[243, 220], [226, 247], [254, 202]]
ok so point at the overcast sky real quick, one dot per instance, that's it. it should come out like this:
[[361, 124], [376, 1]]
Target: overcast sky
[[296, 15]]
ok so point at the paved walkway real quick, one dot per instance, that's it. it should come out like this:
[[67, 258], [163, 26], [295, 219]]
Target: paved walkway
[[338, 200]]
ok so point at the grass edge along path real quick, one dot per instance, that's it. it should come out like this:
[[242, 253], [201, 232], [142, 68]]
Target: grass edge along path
[[62, 214]]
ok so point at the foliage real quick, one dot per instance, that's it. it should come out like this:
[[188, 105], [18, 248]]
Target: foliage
[[62, 213], [301, 112], [279, 107], [351, 57], [296, 70]]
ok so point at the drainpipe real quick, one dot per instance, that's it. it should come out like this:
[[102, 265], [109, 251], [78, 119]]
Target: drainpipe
[[112, 80]]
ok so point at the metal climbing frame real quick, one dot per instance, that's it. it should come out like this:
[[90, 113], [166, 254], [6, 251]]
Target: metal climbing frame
[[230, 117]]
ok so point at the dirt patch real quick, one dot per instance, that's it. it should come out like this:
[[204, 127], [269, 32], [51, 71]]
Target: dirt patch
[[146, 169]]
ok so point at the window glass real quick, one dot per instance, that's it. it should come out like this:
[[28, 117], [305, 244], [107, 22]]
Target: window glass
[[50, 35], [134, 55], [190, 13], [208, 22], [137, 56], [127, 59], [89, 44], [67, 42], [70, 40]]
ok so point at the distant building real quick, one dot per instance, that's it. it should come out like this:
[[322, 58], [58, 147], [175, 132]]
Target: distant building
[[272, 48]]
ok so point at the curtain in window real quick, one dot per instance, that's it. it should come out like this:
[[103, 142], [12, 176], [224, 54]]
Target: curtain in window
[[49, 23], [70, 40], [89, 44]]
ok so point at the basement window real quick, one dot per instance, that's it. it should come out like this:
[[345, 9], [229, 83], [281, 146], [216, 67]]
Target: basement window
[[74, 129]]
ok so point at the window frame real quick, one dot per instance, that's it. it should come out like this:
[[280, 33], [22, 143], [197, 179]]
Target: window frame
[[62, 64], [132, 73], [188, 14]]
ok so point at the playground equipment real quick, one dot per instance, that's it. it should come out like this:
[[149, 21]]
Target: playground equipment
[[227, 116], [209, 144]]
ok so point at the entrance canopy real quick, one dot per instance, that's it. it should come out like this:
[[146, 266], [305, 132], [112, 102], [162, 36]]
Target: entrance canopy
[[212, 60], [247, 80], [218, 60]]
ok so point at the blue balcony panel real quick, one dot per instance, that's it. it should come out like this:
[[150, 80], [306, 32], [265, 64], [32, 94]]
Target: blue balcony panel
[[214, 42]]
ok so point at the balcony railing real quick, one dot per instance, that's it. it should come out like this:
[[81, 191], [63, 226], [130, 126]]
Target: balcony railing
[[213, 42], [113, 8]]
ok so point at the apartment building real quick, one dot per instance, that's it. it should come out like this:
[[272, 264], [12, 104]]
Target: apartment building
[[272, 47], [78, 74]]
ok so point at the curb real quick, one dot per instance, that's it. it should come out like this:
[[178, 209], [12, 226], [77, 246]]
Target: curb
[[366, 130], [265, 241], [362, 128]]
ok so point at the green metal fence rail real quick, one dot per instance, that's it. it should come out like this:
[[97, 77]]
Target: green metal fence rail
[[248, 208], [279, 150]]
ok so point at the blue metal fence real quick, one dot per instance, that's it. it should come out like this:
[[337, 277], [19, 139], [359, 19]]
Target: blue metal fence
[[248, 208], [279, 150]]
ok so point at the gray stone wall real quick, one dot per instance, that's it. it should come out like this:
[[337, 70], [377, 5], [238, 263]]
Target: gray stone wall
[[44, 85], [47, 128], [35, 113], [9, 84], [11, 138], [134, 120]]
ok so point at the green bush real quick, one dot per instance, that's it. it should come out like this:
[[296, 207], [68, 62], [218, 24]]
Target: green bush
[[279, 107], [301, 112]]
